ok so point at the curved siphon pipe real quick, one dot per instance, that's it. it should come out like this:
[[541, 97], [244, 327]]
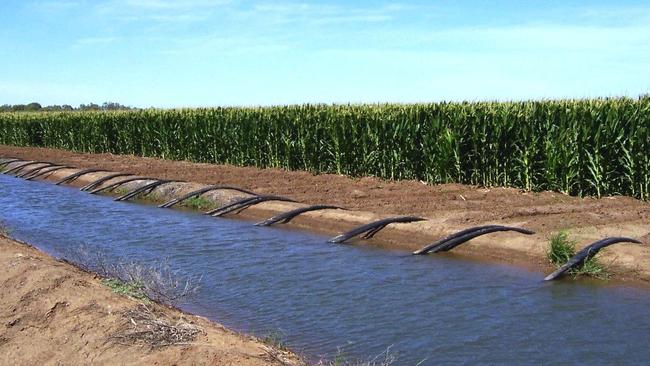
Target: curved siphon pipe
[[147, 187], [587, 253], [244, 203], [370, 233], [78, 174], [6, 161], [455, 235], [201, 191], [112, 186], [285, 217], [16, 169], [46, 170], [228, 206], [101, 180], [35, 170], [445, 245], [373, 227], [256, 200]]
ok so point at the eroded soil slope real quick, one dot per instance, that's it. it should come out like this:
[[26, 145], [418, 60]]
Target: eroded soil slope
[[460, 205], [52, 313]]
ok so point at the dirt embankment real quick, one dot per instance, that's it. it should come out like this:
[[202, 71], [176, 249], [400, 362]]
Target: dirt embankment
[[447, 208], [52, 313]]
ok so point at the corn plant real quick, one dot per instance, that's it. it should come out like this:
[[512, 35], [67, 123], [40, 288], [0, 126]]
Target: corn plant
[[579, 147]]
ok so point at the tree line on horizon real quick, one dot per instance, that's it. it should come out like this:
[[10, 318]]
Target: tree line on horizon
[[37, 107]]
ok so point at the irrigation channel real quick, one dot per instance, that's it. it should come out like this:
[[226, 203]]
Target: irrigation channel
[[324, 296]]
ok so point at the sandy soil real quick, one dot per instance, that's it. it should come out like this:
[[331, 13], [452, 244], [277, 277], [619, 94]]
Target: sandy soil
[[447, 207], [52, 313]]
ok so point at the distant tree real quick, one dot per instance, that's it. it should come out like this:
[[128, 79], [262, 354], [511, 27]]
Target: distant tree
[[111, 106], [33, 107], [89, 107]]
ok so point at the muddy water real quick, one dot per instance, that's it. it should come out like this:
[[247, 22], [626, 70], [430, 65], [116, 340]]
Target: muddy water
[[322, 297]]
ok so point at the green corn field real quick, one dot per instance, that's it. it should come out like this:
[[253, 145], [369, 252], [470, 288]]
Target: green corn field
[[579, 147]]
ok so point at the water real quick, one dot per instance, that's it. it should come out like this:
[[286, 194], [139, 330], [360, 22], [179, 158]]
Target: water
[[323, 296]]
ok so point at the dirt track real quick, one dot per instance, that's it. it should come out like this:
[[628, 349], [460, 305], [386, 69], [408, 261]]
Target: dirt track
[[448, 207]]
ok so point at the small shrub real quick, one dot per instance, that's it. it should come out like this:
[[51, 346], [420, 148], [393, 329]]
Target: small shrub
[[561, 249], [158, 282], [593, 268]]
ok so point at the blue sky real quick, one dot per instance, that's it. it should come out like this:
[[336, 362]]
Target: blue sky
[[166, 53]]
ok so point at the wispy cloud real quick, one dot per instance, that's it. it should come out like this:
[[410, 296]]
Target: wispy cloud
[[615, 15], [43, 92], [225, 46], [534, 38], [55, 6], [364, 50], [95, 40], [231, 27], [573, 37], [186, 18], [58, 4], [170, 4], [315, 13], [160, 11]]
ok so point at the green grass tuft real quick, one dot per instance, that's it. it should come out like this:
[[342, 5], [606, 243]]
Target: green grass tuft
[[119, 191], [385, 358], [561, 249], [131, 289], [198, 203], [275, 339], [4, 231]]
